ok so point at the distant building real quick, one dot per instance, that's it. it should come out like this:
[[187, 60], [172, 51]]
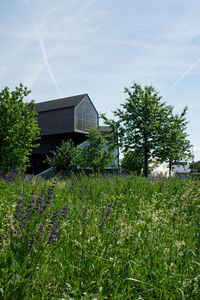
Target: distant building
[[181, 167], [62, 119]]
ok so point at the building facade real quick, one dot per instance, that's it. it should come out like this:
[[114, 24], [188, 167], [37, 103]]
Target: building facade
[[62, 119]]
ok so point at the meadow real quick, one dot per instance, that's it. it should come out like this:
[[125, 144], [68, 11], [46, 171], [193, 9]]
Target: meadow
[[100, 237]]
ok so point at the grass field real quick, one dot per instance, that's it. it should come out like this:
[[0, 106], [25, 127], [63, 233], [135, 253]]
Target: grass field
[[100, 238]]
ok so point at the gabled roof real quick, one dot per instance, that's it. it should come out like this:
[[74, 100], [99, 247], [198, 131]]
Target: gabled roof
[[59, 103]]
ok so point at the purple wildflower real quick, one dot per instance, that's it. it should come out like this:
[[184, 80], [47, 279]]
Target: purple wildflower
[[73, 184], [124, 175], [109, 210], [74, 180], [50, 194], [41, 228], [52, 238], [54, 216], [31, 243], [107, 213], [43, 202], [52, 235], [2, 238], [65, 210], [56, 226], [40, 205], [19, 212]]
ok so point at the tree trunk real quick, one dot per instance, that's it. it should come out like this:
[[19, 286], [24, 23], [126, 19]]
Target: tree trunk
[[146, 167], [146, 155], [170, 167]]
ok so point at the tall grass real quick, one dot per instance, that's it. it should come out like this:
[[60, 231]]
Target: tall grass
[[100, 238]]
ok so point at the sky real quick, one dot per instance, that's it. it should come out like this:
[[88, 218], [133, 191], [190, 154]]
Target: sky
[[68, 47]]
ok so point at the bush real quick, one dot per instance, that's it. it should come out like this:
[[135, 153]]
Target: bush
[[65, 158], [132, 162]]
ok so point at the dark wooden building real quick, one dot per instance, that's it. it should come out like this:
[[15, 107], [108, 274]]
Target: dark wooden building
[[62, 119]]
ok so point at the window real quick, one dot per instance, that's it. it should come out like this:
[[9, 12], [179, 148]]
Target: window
[[85, 116]]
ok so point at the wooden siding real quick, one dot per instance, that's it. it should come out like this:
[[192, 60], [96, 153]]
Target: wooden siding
[[58, 121], [50, 142]]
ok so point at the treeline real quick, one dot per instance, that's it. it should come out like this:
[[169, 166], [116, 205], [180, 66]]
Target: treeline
[[144, 128]]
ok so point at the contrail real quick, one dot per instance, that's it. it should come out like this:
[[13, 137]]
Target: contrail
[[34, 76], [43, 50], [42, 46], [189, 70]]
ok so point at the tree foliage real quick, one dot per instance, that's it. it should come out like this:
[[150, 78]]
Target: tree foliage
[[64, 158], [94, 156], [174, 144], [19, 129], [147, 126], [195, 166], [132, 162], [98, 152]]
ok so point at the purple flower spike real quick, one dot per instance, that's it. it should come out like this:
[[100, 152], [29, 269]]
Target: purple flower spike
[[73, 184], [31, 243], [19, 211], [107, 213], [41, 228], [109, 210], [65, 210], [50, 194], [52, 235], [54, 216]]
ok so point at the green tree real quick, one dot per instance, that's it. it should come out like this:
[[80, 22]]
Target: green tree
[[195, 166], [132, 162], [64, 158], [142, 122], [19, 129], [97, 153], [174, 144]]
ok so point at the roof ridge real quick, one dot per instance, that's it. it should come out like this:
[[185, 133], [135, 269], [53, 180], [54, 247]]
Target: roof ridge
[[63, 98], [65, 102]]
